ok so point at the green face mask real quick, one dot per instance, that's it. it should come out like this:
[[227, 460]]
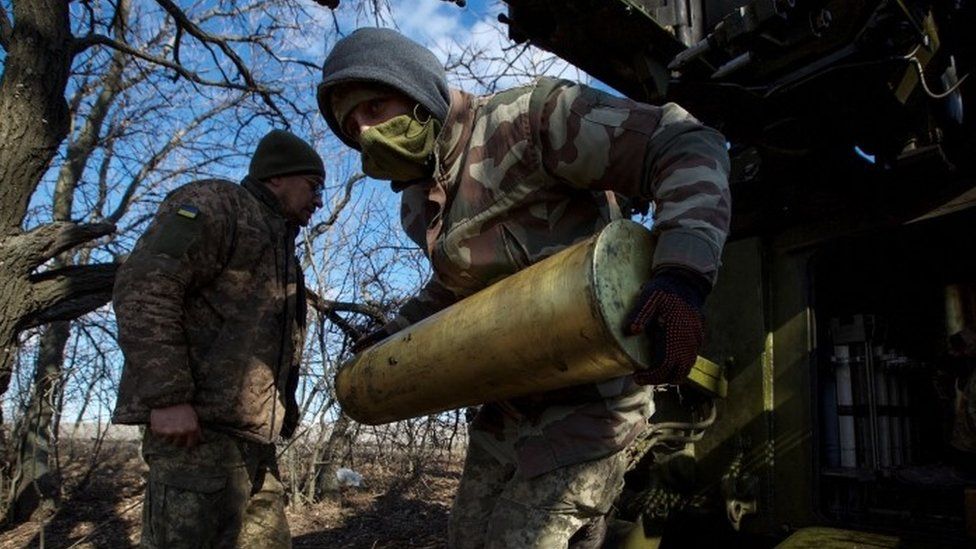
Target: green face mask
[[399, 149]]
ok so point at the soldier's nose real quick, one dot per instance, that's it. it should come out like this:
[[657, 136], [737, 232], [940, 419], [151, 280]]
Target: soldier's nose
[[356, 125]]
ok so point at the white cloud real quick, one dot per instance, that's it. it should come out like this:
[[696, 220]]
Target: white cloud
[[428, 21], [447, 29]]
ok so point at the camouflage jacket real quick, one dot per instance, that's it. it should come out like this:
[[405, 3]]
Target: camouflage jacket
[[211, 311], [525, 173]]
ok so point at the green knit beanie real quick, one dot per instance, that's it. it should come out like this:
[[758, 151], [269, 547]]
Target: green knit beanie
[[284, 153]]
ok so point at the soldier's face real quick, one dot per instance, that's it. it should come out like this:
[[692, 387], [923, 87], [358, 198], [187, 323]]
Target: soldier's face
[[299, 196], [377, 109]]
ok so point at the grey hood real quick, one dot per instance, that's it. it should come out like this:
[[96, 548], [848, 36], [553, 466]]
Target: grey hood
[[384, 56]]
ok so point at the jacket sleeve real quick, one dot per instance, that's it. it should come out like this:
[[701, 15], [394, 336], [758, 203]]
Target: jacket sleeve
[[590, 139], [184, 247]]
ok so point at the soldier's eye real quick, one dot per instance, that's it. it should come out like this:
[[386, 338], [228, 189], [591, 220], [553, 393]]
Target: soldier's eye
[[316, 185], [375, 107]]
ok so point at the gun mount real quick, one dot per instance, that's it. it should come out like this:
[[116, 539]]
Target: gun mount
[[839, 300], [828, 105]]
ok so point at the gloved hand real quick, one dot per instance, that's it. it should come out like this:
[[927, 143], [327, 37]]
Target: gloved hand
[[369, 339], [670, 312]]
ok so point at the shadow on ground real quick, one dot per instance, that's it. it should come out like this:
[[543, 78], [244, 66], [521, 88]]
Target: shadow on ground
[[394, 509], [102, 513], [411, 513]]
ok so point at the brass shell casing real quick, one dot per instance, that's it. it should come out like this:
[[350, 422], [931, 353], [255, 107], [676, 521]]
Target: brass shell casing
[[555, 324]]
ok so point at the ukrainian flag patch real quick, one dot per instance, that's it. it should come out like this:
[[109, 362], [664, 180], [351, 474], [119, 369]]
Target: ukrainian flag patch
[[188, 211]]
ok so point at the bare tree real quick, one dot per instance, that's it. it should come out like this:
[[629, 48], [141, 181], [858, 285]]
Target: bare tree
[[122, 74], [133, 100], [34, 485]]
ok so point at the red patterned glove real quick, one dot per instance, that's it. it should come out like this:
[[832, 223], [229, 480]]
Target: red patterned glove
[[669, 311]]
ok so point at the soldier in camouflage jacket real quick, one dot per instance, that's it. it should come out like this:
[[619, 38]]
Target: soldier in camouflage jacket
[[211, 316], [493, 184]]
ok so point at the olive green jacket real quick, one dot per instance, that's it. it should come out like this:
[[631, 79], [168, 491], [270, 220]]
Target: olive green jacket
[[211, 311]]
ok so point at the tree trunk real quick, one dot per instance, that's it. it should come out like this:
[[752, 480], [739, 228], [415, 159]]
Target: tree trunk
[[33, 123], [33, 111], [37, 486], [327, 462]]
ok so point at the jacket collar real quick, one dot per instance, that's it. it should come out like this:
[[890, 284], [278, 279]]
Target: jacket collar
[[454, 136], [263, 194], [449, 154], [450, 144]]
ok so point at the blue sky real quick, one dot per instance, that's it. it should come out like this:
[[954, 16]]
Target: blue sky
[[441, 26]]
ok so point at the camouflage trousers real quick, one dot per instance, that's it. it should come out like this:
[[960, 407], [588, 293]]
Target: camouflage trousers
[[496, 508], [223, 493]]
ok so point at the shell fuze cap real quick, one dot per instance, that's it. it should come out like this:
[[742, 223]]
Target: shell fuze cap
[[283, 153], [386, 57]]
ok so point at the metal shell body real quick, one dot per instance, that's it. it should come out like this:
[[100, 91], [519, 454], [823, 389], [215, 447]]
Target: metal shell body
[[555, 324]]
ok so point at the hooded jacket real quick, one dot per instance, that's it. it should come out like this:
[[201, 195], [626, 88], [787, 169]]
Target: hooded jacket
[[525, 173]]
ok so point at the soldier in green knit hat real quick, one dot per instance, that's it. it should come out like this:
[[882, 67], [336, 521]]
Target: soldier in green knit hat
[[211, 318]]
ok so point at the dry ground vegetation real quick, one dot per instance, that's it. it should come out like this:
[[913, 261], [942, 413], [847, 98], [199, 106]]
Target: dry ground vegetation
[[402, 502]]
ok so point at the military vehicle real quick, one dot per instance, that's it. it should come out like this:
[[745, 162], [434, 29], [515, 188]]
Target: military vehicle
[[849, 270]]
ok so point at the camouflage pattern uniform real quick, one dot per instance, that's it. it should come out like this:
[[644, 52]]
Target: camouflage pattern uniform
[[519, 176], [211, 312], [225, 492]]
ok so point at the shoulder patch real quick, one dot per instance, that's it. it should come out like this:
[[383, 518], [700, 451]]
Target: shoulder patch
[[177, 231], [188, 211]]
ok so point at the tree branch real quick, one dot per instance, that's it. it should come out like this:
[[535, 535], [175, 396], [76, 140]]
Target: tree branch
[[120, 18], [330, 310], [31, 249], [347, 328], [150, 165], [177, 41], [321, 304], [90, 40], [86, 139], [190, 27], [324, 226], [68, 293], [108, 152]]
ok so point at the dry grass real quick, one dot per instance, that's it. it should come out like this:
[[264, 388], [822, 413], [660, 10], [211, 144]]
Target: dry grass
[[391, 510], [394, 508]]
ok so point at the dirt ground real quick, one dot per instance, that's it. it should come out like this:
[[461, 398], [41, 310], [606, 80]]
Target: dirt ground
[[390, 510]]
